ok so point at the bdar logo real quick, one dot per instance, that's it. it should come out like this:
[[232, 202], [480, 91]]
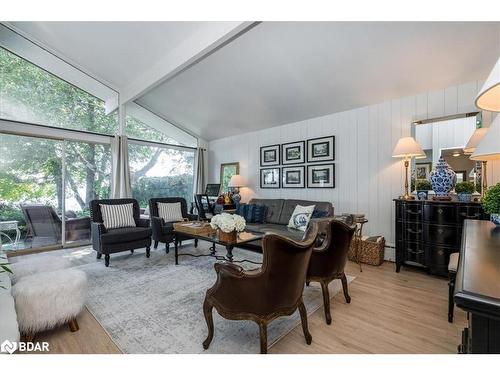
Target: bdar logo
[[8, 347]]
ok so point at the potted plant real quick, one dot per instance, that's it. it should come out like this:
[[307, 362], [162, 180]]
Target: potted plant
[[464, 191], [491, 203], [228, 226], [423, 187]]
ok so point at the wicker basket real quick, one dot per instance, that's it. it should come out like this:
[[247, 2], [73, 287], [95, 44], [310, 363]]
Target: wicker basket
[[371, 250]]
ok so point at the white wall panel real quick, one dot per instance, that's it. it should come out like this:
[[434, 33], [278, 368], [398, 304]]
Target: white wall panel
[[367, 177]]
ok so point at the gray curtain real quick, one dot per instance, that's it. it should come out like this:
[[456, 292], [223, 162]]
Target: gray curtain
[[121, 173], [200, 172]]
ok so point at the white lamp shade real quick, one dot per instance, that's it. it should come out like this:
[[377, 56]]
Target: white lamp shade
[[407, 147], [489, 147], [474, 140], [489, 96], [236, 181]]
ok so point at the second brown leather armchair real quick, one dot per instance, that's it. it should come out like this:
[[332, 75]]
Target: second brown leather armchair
[[329, 258], [264, 294]]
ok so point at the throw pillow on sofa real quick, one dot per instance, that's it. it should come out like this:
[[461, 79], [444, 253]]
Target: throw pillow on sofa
[[253, 213], [300, 217]]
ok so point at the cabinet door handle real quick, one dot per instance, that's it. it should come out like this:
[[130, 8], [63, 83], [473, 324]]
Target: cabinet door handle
[[440, 231], [440, 252], [414, 231], [469, 216], [413, 212], [440, 211]]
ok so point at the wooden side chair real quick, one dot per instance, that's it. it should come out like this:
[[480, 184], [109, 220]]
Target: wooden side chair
[[329, 258], [452, 275], [264, 294]]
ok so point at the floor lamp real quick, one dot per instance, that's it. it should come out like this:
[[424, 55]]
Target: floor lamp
[[406, 148]]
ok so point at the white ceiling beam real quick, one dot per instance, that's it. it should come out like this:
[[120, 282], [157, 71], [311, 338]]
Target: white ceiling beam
[[208, 39]]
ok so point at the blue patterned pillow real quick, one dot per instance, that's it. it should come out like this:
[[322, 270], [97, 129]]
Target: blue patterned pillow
[[318, 214], [253, 213]]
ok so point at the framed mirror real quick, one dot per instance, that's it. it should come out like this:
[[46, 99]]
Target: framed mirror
[[445, 137], [228, 170]]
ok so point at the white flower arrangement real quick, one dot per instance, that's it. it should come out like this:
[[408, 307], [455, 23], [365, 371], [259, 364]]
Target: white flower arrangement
[[228, 223]]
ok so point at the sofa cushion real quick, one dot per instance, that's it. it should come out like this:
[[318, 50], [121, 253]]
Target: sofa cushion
[[282, 230], [290, 204], [274, 207], [252, 213], [170, 212], [121, 235], [117, 215], [300, 217]]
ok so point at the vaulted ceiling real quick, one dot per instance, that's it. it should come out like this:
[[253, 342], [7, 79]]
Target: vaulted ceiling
[[272, 73]]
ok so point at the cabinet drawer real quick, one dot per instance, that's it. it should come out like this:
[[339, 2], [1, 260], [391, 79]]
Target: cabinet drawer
[[413, 212], [413, 232], [446, 235], [469, 212], [440, 213], [414, 252], [438, 258]]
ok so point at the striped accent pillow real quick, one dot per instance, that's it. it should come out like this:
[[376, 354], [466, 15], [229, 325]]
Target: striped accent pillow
[[170, 212], [118, 215]]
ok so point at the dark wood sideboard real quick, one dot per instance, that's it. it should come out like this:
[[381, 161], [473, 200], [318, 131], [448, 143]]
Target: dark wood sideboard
[[477, 287], [427, 232]]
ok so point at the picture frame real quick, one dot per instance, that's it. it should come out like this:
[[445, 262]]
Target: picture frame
[[293, 153], [321, 149], [270, 155], [270, 178], [423, 171], [461, 176], [293, 177], [321, 176], [228, 170]]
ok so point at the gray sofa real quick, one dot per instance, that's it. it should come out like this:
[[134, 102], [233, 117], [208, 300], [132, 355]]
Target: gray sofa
[[278, 215]]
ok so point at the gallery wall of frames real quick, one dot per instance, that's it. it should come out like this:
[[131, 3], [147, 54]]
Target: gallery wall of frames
[[297, 165]]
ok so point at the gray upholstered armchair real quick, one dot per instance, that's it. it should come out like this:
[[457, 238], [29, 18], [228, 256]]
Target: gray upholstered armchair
[[109, 241], [162, 231]]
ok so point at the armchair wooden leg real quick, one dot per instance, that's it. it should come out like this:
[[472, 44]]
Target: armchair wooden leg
[[156, 245], [73, 325], [344, 286], [167, 248], [195, 242], [132, 251], [451, 290], [28, 337], [207, 311], [148, 252], [263, 337], [326, 301], [106, 260], [303, 318], [307, 283], [99, 255]]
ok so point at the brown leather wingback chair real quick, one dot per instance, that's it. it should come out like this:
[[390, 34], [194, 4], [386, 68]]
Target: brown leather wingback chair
[[263, 294], [329, 258]]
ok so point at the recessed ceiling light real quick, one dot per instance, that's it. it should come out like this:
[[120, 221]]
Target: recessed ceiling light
[[456, 153]]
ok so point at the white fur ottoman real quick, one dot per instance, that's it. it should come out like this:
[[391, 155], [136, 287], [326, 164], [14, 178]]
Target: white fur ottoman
[[45, 300], [36, 264]]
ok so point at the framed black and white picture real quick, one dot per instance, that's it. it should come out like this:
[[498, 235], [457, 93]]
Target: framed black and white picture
[[293, 153], [321, 176], [270, 178], [321, 149], [269, 155], [293, 177]]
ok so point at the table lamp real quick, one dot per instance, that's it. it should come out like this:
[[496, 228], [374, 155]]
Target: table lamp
[[406, 148], [471, 146], [488, 148], [236, 182], [489, 95]]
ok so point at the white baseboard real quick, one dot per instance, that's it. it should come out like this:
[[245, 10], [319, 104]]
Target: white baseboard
[[390, 254]]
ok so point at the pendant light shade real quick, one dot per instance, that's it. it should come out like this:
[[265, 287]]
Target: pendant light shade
[[489, 96]]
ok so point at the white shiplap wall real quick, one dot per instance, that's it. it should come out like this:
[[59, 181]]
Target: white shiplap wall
[[367, 177]]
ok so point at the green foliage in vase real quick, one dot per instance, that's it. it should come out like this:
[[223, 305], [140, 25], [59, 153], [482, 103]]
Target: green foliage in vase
[[464, 187], [423, 185], [491, 200]]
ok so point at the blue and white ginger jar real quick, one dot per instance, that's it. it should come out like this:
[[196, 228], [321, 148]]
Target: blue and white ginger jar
[[443, 178]]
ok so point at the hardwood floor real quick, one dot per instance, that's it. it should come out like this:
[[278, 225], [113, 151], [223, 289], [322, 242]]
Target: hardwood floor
[[389, 313]]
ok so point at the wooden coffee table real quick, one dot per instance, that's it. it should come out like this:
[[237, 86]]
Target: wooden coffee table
[[242, 238]]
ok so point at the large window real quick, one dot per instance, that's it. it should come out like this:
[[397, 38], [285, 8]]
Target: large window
[[36, 193], [160, 172], [30, 94]]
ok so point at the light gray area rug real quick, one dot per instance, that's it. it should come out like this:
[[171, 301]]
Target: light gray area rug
[[152, 306]]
